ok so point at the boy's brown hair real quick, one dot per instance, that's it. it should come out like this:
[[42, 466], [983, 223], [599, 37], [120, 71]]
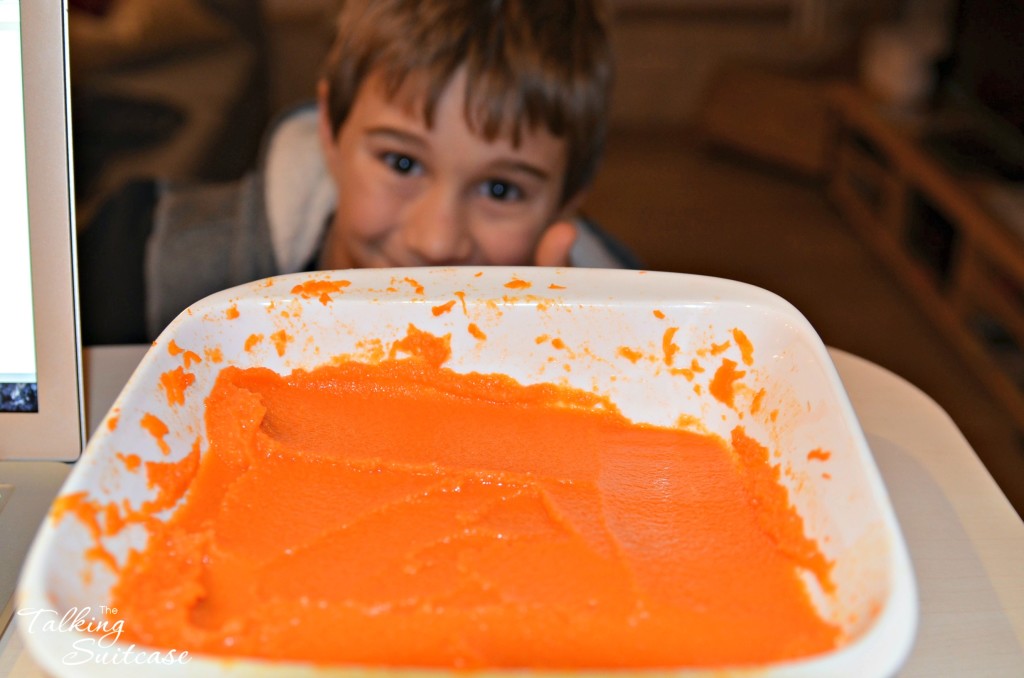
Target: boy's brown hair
[[534, 62]]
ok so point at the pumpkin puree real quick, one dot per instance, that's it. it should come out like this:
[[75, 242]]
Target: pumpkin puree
[[402, 514]]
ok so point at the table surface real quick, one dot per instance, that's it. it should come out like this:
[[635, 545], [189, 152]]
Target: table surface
[[965, 540]]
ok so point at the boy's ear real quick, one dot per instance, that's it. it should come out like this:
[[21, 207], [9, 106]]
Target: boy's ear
[[325, 130]]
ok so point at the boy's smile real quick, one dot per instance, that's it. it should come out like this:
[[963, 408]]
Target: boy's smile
[[413, 195]]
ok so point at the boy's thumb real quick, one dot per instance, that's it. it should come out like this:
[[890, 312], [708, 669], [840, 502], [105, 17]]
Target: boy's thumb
[[555, 245]]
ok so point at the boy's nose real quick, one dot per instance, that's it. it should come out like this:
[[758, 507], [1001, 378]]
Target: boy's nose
[[436, 230]]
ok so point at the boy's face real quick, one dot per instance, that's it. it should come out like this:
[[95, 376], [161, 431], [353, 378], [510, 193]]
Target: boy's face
[[410, 195]]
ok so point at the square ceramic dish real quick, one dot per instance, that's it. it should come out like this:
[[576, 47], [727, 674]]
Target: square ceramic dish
[[650, 341]]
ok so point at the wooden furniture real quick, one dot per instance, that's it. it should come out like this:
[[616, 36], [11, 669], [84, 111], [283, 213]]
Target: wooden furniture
[[939, 233], [782, 119]]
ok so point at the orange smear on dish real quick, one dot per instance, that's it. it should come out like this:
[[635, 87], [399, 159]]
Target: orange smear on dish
[[174, 382], [232, 312], [252, 341], [819, 455], [281, 339], [517, 284], [689, 372], [476, 331], [78, 504], [173, 348], [171, 480], [320, 289], [462, 300], [723, 384], [629, 354], [745, 346], [499, 525], [88, 511], [435, 350], [112, 519], [444, 308], [156, 428], [131, 461], [758, 402], [668, 346], [102, 555], [418, 288]]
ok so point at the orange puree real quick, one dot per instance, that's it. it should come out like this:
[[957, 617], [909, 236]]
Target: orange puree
[[321, 289], [174, 382], [402, 514]]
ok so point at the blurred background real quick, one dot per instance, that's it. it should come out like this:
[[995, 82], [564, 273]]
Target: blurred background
[[861, 158]]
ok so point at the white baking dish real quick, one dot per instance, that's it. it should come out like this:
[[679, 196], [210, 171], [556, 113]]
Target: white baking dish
[[616, 339]]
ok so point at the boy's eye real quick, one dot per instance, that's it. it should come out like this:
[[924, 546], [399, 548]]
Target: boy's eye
[[400, 163], [501, 190]]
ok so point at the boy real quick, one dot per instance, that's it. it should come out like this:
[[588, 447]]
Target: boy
[[450, 132]]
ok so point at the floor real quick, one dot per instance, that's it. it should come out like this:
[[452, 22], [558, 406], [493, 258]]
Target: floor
[[686, 207]]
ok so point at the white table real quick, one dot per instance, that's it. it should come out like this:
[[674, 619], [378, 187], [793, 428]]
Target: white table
[[965, 540]]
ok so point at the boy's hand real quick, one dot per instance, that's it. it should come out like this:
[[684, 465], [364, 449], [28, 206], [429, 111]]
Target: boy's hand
[[555, 244]]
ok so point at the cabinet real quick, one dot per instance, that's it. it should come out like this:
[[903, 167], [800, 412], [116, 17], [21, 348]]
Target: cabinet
[[937, 230]]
